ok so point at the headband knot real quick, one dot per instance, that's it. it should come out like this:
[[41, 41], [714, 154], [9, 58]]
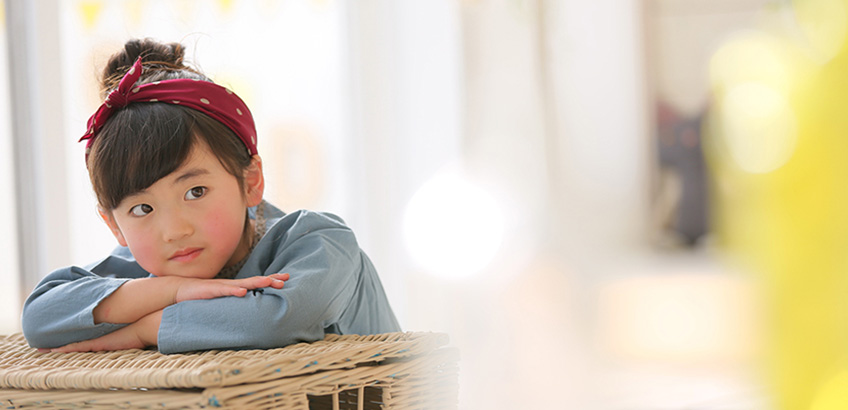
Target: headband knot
[[116, 100], [209, 98], [120, 97]]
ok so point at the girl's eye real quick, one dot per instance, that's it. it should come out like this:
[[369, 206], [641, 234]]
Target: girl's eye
[[141, 210], [195, 192]]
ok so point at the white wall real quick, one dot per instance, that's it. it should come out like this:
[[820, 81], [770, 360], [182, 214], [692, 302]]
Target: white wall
[[9, 281]]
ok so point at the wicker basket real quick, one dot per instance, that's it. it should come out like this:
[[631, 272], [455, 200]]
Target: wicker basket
[[387, 371]]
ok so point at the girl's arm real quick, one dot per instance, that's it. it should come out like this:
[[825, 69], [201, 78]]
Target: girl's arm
[[61, 309], [138, 298]]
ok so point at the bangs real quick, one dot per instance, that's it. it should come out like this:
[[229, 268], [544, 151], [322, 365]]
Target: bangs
[[138, 146]]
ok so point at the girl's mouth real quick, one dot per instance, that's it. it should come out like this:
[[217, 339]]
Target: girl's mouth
[[185, 255]]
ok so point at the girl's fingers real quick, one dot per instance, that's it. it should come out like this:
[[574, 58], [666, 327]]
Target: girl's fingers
[[253, 283], [279, 280], [276, 281]]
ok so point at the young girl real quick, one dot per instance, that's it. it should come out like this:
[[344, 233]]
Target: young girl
[[204, 262]]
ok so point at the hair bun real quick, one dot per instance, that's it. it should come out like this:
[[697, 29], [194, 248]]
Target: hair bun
[[154, 55]]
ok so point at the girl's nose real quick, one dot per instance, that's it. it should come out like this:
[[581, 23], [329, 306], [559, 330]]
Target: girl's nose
[[176, 227]]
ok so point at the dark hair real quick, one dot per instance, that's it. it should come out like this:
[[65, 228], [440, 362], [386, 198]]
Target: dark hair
[[145, 141]]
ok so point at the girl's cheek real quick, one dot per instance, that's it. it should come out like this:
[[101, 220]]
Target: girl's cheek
[[143, 249], [224, 225]]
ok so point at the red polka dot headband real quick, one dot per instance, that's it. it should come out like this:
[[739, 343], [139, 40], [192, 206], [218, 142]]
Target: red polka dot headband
[[209, 98]]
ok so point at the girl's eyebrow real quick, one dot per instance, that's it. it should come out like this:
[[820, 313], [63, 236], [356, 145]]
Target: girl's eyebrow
[[191, 173]]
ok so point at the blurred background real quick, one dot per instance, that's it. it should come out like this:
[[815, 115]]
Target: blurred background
[[612, 204]]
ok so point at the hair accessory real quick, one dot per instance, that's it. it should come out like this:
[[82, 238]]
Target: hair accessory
[[209, 98]]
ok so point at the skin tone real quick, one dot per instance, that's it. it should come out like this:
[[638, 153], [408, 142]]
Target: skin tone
[[183, 229]]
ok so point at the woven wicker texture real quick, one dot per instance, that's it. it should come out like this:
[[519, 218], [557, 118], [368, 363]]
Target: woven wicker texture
[[393, 370]]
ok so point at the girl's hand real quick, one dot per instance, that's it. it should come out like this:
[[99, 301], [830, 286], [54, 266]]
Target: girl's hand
[[138, 335], [196, 289]]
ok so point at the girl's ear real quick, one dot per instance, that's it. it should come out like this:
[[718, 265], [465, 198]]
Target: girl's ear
[[113, 226], [254, 182]]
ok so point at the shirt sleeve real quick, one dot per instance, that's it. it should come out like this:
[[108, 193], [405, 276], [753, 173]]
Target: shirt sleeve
[[324, 262], [60, 310]]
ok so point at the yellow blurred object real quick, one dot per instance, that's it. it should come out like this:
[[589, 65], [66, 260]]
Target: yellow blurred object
[[825, 24], [90, 12], [833, 394], [226, 6], [780, 169]]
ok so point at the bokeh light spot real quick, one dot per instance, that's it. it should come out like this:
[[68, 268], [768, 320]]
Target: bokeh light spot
[[759, 127], [824, 24], [750, 56], [452, 227]]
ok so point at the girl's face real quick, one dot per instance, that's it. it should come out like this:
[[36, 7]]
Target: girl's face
[[190, 223]]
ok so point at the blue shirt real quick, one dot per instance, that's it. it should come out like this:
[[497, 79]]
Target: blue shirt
[[333, 288]]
